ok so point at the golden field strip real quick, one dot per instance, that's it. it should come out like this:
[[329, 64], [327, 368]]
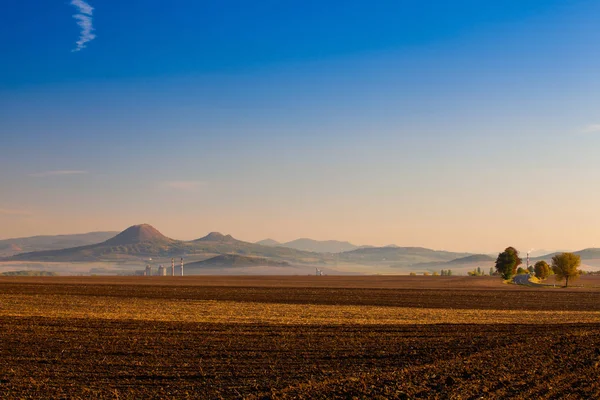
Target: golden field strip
[[297, 338], [213, 311]]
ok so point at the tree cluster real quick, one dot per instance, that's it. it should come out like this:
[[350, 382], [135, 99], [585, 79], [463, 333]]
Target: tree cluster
[[507, 263], [522, 271], [542, 270], [476, 272], [565, 266]]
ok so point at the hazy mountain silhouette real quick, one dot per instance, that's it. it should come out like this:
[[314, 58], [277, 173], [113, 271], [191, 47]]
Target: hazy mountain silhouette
[[398, 256], [471, 261], [316, 246], [589, 256], [234, 260], [9, 247], [141, 241], [217, 237], [269, 242], [320, 246], [135, 241], [542, 252], [475, 258], [137, 234]]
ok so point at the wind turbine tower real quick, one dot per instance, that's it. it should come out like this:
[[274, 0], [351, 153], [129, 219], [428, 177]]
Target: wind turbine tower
[[172, 267]]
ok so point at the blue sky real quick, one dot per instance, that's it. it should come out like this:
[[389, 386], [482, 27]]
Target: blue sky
[[418, 123]]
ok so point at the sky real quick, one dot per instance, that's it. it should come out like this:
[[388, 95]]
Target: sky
[[463, 125]]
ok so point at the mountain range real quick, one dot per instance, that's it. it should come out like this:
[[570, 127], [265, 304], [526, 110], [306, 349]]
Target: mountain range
[[9, 247], [138, 243], [398, 256], [589, 256], [143, 241], [468, 262], [235, 261], [316, 246]]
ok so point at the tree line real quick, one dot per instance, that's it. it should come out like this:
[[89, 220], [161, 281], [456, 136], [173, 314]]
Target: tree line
[[565, 266]]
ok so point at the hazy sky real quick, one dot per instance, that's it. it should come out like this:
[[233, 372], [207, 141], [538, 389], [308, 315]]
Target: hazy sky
[[465, 125]]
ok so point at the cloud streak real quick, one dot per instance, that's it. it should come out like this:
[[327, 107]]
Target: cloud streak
[[58, 173], [84, 20], [594, 128]]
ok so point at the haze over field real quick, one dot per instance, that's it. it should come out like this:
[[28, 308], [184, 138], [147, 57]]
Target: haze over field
[[140, 246], [463, 126]]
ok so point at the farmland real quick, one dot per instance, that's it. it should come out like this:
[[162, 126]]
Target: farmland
[[297, 337]]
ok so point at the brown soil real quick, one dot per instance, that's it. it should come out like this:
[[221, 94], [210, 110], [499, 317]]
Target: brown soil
[[58, 357], [586, 282], [420, 292]]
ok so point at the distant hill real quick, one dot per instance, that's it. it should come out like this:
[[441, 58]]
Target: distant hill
[[137, 234], [234, 260], [134, 242], [589, 256], [542, 252], [9, 247], [586, 254], [144, 241], [140, 242], [475, 260], [316, 246], [269, 242], [323, 246], [217, 243], [218, 237], [398, 256]]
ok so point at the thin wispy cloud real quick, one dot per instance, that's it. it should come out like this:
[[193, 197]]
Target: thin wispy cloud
[[14, 213], [58, 173], [85, 22], [594, 128], [185, 186]]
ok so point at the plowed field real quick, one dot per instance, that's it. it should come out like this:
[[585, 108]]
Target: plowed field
[[201, 338]]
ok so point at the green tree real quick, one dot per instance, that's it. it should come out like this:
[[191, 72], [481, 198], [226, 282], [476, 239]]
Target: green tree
[[492, 271], [530, 269], [566, 266], [449, 272], [542, 270], [521, 271], [476, 272], [507, 262]]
